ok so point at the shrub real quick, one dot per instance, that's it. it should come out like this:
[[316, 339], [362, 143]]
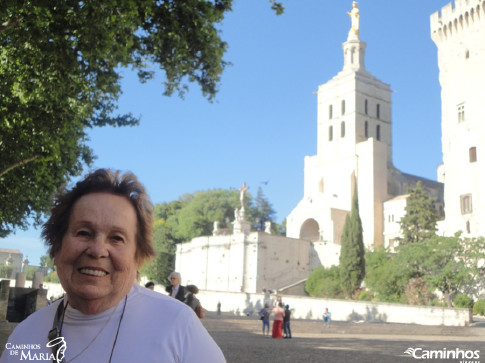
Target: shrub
[[479, 308], [417, 292], [6, 271], [364, 295], [384, 279], [463, 301], [324, 282]]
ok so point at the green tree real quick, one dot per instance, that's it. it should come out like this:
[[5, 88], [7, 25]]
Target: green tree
[[52, 277], [29, 272], [444, 263], [47, 261], [6, 271], [262, 211], [352, 253], [385, 279], [164, 262], [60, 62], [202, 209], [419, 222]]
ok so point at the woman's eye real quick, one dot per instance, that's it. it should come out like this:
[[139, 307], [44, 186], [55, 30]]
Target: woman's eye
[[117, 238], [82, 233]]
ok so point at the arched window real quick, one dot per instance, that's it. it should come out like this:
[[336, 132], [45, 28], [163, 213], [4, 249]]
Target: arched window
[[378, 111], [330, 112], [378, 132], [320, 186], [366, 107], [330, 133], [342, 129], [343, 107], [366, 129]]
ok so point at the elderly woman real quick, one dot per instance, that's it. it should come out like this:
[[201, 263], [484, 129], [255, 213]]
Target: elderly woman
[[100, 234]]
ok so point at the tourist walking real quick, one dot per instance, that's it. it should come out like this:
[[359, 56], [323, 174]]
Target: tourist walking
[[264, 316], [327, 317], [193, 302], [286, 322], [176, 290], [279, 314]]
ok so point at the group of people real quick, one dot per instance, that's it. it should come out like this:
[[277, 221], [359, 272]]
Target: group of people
[[281, 320], [282, 317], [99, 234]]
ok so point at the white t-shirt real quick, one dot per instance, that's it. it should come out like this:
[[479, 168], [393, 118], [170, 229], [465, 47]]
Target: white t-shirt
[[154, 328]]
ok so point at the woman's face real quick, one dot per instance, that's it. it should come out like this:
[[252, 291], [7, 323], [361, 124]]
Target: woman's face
[[96, 263]]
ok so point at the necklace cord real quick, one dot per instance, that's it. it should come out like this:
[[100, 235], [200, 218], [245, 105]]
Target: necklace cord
[[58, 323], [118, 330], [56, 330]]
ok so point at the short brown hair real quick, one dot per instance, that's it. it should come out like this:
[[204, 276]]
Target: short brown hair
[[99, 181]]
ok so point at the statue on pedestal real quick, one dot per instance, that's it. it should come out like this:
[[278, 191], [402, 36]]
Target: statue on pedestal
[[241, 196], [240, 223], [354, 18]]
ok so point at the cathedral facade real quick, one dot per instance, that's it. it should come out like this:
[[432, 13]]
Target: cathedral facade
[[354, 150]]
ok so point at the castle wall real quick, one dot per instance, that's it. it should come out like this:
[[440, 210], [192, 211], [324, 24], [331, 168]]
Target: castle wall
[[459, 34], [303, 307], [242, 262], [212, 263]]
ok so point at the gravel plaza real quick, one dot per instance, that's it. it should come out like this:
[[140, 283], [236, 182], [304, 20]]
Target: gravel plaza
[[241, 340]]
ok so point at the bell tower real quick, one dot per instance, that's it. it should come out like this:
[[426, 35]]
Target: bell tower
[[354, 143]]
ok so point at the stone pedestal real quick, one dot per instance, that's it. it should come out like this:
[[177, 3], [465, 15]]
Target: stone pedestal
[[20, 279], [38, 279], [242, 227], [4, 291]]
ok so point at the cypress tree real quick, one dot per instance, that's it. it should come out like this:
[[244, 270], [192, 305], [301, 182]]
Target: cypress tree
[[352, 261]]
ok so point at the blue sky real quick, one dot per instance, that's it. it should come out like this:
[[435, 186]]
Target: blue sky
[[263, 121]]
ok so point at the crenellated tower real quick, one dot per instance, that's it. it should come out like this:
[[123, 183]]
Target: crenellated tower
[[459, 34]]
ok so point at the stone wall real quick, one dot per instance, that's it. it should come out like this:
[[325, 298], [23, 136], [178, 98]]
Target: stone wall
[[16, 303], [342, 310]]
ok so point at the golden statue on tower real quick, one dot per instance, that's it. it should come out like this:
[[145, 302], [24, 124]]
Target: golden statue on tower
[[354, 18]]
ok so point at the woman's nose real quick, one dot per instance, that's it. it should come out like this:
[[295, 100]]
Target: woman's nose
[[97, 247]]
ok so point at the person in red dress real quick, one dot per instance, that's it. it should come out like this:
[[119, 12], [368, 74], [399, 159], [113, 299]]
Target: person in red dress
[[279, 314]]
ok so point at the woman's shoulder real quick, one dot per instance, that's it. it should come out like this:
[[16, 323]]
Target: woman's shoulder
[[43, 318]]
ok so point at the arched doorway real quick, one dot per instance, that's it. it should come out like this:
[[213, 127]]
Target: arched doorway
[[310, 230]]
